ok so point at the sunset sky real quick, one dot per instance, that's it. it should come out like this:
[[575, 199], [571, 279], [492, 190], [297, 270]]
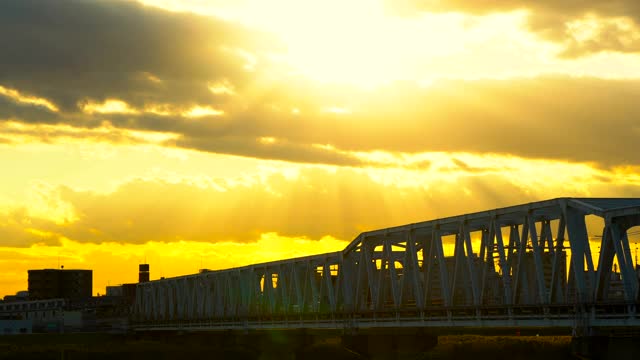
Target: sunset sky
[[214, 133]]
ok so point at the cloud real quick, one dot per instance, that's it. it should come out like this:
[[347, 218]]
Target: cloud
[[142, 211], [23, 133], [562, 118], [145, 68], [583, 120], [18, 228], [69, 50], [612, 7], [286, 150], [575, 119], [583, 27], [12, 110], [314, 202]]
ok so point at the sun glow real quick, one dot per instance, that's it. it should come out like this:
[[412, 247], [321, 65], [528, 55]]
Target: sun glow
[[352, 42], [355, 42], [200, 111], [109, 106], [114, 263], [366, 43]]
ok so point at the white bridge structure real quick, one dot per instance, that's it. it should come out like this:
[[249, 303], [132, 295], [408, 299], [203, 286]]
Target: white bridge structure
[[527, 266]]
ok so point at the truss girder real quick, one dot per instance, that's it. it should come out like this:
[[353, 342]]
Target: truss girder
[[534, 255]]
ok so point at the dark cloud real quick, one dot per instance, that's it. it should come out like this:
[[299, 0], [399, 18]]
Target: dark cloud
[[610, 36], [575, 119], [570, 7], [462, 166], [586, 120], [240, 145], [562, 118], [12, 110], [69, 50], [60, 134], [549, 18]]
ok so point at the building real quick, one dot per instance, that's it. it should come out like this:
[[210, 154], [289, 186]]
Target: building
[[32, 316], [66, 284], [114, 291], [19, 296], [40, 316], [128, 291], [143, 274], [9, 326]]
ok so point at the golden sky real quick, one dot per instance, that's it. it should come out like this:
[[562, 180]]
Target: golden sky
[[215, 133]]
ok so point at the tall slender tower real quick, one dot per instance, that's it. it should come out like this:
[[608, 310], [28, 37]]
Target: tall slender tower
[[143, 275]]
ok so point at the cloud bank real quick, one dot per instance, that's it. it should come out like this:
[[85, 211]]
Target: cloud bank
[[582, 27], [141, 68]]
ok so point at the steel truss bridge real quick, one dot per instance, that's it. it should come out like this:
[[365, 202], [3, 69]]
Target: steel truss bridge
[[525, 266]]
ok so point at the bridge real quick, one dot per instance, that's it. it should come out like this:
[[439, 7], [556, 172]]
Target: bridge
[[531, 266]]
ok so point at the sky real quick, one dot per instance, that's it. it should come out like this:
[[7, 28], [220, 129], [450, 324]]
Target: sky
[[196, 134]]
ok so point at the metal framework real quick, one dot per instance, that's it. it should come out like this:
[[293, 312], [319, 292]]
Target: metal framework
[[522, 266]]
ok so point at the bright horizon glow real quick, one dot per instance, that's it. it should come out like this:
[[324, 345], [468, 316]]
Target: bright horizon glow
[[122, 259]]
